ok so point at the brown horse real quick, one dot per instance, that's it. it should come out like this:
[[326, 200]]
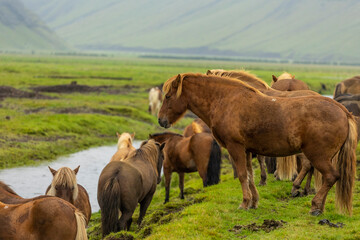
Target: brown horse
[[351, 86], [243, 119], [197, 153], [124, 146], [64, 185], [43, 217], [351, 102], [290, 84], [124, 184]]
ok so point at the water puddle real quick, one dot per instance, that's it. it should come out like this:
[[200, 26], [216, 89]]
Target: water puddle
[[30, 182]]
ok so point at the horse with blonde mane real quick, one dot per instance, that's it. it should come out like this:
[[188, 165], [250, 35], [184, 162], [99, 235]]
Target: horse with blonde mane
[[124, 146], [155, 99], [350, 86], [124, 184], [65, 186], [42, 217], [246, 120], [197, 153]]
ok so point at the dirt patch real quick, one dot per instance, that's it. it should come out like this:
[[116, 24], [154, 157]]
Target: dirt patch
[[267, 226], [7, 91], [327, 222], [74, 87]]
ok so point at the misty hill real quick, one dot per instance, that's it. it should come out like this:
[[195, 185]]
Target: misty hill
[[323, 30], [22, 30]]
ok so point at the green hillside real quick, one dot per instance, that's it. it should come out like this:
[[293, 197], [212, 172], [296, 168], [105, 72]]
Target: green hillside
[[321, 30], [22, 30]]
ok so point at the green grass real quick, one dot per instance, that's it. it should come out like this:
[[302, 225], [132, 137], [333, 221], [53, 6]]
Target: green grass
[[39, 130]]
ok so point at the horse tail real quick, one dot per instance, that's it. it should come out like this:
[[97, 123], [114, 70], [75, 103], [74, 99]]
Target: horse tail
[[317, 180], [213, 169], [338, 91], [81, 224], [346, 165], [109, 201], [286, 167]]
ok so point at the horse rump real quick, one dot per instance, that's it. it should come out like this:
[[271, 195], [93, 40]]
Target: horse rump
[[213, 169], [109, 202]]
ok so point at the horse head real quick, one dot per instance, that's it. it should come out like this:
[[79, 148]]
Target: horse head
[[174, 105], [64, 184]]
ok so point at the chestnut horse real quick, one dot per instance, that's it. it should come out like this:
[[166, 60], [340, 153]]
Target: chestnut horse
[[197, 153], [351, 86], [43, 217], [287, 82], [64, 185], [124, 146], [124, 184], [243, 119]]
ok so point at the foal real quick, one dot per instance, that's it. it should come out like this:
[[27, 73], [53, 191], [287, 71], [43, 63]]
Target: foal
[[64, 186]]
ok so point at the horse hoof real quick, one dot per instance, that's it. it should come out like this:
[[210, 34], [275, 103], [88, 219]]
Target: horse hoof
[[262, 183], [316, 212], [295, 194]]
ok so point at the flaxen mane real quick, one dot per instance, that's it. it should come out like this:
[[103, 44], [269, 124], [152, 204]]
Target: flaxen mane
[[235, 73], [64, 177], [231, 81], [148, 151], [286, 75]]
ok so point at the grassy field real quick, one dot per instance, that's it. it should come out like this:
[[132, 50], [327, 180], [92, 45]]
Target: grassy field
[[43, 127]]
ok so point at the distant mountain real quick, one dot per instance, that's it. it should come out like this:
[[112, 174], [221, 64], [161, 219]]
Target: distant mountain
[[22, 30], [321, 30]]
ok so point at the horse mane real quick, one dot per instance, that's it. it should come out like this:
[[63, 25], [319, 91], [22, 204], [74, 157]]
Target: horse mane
[[7, 188], [286, 75], [241, 73], [149, 151], [64, 177], [231, 81]]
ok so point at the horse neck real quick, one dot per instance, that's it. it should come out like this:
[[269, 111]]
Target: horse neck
[[8, 195]]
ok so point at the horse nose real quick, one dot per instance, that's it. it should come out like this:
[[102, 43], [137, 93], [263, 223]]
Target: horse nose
[[163, 122]]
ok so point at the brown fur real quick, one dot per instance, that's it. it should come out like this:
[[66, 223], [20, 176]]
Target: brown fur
[[64, 185], [43, 217], [351, 86], [124, 184], [189, 154], [247, 120]]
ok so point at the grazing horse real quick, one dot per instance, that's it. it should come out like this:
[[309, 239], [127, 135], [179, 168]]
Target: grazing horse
[[124, 184], [124, 146], [286, 166], [287, 82], [39, 218], [64, 186], [155, 99], [351, 86], [197, 153], [243, 119]]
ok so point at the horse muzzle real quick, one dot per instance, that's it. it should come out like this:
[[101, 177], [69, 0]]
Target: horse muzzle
[[164, 123]]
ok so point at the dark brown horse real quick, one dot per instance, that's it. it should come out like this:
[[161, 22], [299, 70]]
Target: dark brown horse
[[243, 119], [39, 218], [124, 184], [350, 86], [64, 185], [197, 153]]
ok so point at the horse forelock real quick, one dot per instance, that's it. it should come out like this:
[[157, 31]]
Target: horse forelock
[[64, 177]]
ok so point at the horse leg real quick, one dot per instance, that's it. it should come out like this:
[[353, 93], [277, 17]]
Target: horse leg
[[308, 182], [237, 153], [254, 192], [181, 184], [261, 160], [233, 167], [305, 167], [125, 219], [144, 204], [129, 224], [167, 175], [330, 176]]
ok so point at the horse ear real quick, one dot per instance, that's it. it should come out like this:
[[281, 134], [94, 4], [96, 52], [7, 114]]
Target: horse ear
[[53, 171], [274, 78], [162, 146], [132, 135], [177, 81], [150, 136], [76, 170], [208, 72], [118, 135], [293, 76]]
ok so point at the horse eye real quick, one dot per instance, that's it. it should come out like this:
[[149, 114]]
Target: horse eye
[[167, 96]]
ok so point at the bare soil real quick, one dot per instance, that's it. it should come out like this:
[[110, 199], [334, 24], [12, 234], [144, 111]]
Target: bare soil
[[267, 226], [7, 91]]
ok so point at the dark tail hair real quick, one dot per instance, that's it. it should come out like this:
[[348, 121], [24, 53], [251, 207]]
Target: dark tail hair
[[338, 90], [109, 201], [213, 170]]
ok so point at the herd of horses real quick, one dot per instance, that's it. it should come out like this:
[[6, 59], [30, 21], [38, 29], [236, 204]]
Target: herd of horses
[[285, 125]]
